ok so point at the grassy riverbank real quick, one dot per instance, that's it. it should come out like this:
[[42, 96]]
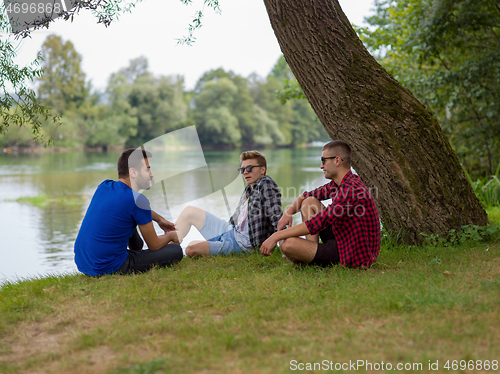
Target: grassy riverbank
[[249, 314]]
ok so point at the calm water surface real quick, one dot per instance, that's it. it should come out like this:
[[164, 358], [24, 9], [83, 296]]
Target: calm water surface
[[37, 239]]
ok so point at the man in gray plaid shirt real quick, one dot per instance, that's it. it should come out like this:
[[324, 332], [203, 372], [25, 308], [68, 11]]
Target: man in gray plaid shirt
[[254, 220]]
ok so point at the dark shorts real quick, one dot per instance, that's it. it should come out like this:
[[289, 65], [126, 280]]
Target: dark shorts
[[327, 253]]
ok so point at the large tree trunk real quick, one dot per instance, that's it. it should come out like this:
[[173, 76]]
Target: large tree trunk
[[398, 146]]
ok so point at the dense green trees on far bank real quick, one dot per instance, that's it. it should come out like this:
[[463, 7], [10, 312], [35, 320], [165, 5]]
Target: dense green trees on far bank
[[228, 110]]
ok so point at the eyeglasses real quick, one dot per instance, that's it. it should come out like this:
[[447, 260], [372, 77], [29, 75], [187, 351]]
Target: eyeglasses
[[323, 159], [248, 168]]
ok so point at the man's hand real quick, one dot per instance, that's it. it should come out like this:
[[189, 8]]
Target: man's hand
[[285, 220], [172, 235], [268, 245], [165, 225], [162, 222]]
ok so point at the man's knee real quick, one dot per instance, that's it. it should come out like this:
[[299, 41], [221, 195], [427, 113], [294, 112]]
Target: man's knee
[[298, 250], [310, 207], [287, 246], [194, 249], [190, 251], [188, 212], [192, 215], [311, 201]]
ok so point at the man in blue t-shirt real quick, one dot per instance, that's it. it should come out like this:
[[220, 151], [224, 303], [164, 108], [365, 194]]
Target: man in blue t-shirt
[[110, 224]]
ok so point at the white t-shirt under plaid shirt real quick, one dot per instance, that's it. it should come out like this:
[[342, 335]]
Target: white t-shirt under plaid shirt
[[241, 233]]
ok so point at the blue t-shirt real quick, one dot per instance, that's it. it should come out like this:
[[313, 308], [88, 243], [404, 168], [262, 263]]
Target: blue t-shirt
[[113, 214]]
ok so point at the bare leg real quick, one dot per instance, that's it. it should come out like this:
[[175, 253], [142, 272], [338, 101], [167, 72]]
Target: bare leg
[[298, 250], [190, 216], [309, 208], [198, 248]]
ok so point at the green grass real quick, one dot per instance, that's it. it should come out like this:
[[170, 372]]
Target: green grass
[[250, 314]]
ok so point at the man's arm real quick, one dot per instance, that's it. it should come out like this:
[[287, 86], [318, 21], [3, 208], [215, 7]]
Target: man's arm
[[154, 241], [320, 193], [162, 222], [295, 231], [287, 218]]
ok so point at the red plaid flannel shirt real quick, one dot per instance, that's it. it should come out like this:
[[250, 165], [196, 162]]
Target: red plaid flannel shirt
[[354, 218]]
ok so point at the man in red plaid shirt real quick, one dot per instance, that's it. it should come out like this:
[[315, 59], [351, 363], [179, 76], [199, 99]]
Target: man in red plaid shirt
[[349, 227]]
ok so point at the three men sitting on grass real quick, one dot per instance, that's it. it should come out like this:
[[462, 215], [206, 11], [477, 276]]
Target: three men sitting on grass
[[349, 227]]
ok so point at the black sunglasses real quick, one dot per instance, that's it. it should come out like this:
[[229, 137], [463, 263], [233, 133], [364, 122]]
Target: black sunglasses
[[323, 159], [248, 168]]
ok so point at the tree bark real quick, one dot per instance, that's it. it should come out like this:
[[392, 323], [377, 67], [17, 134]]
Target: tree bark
[[398, 147]]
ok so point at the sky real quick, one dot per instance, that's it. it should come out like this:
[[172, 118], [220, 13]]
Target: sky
[[240, 39]]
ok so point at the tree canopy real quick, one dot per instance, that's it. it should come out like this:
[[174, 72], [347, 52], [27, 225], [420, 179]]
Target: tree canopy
[[448, 53], [62, 85], [18, 103]]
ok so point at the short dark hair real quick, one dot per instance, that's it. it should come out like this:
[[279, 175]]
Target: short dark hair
[[131, 158], [254, 155], [342, 149]]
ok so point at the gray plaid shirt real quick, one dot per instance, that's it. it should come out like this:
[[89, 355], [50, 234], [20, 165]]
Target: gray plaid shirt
[[264, 209]]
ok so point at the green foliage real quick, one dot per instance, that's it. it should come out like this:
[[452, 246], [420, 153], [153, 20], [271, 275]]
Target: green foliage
[[43, 200], [447, 53], [225, 113], [220, 127], [104, 11], [121, 114], [228, 110], [487, 190], [391, 240], [197, 20], [156, 102], [467, 234], [18, 104], [62, 85], [267, 131], [494, 215], [217, 122], [252, 115], [285, 102], [290, 91], [18, 135]]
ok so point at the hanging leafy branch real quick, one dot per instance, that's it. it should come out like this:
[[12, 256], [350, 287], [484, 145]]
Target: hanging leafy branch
[[196, 22], [18, 103]]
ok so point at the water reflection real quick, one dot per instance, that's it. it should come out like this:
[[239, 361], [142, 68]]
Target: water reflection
[[38, 239]]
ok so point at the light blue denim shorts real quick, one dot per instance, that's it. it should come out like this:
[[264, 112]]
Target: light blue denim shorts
[[220, 236]]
